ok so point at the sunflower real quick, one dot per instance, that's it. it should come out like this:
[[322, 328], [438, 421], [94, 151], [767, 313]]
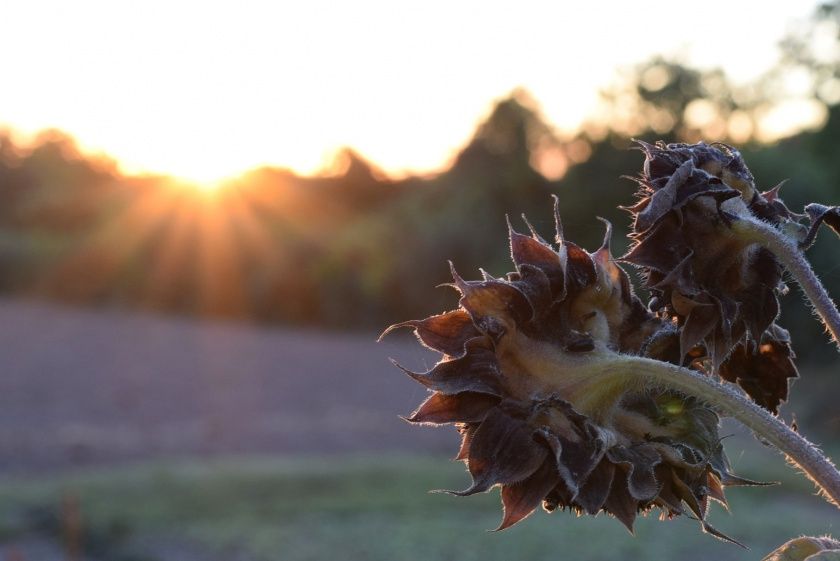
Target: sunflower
[[721, 288], [522, 379]]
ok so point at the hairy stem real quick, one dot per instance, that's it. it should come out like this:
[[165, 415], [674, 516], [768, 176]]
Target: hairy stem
[[787, 251], [733, 404]]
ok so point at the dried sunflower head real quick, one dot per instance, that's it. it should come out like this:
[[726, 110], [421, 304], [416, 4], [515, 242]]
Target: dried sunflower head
[[522, 378], [721, 288]]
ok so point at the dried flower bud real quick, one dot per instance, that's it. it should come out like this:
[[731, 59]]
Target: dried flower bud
[[820, 214], [720, 287], [539, 416]]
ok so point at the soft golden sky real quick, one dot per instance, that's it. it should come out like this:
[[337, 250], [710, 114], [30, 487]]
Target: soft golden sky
[[206, 90]]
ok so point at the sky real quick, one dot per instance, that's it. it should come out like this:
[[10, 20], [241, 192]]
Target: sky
[[207, 90]]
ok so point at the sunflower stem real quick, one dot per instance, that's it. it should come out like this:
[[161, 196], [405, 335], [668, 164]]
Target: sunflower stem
[[731, 403], [787, 251]]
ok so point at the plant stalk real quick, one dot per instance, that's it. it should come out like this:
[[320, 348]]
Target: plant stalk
[[787, 251], [731, 403]]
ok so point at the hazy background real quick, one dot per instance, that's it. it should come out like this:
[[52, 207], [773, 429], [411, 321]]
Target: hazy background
[[190, 369]]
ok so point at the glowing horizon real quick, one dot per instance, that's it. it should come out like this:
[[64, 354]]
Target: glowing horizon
[[207, 92]]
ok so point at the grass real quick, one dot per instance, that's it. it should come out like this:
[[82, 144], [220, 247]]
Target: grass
[[379, 508]]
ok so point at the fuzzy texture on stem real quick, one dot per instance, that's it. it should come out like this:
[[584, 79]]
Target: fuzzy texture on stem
[[732, 404], [788, 253]]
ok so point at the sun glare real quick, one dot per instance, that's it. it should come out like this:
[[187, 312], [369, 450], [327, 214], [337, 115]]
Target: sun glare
[[206, 93]]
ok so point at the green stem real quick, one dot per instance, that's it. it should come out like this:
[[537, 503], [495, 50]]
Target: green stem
[[733, 404], [787, 251]]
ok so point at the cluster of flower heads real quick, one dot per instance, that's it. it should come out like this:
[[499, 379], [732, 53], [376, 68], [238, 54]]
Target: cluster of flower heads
[[524, 373]]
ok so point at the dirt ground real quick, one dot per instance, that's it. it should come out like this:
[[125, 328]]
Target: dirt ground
[[81, 388]]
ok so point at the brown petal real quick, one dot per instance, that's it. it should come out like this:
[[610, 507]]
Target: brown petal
[[699, 323], [526, 250], [667, 497], [763, 374], [577, 454], [594, 492], [621, 505], [662, 201], [467, 433], [446, 333], [466, 407], [759, 309], [638, 462], [685, 493], [521, 499], [663, 344], [502, 451], [580, 269], [533, 283], [492, 303], [662, 249], [716, 489], [476, 371]]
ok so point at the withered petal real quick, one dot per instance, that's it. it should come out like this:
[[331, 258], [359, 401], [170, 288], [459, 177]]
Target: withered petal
[[663, 344], [467, 433], [476, 371], [558, 222], [621, 505], [638, 463], [667, 497], [594, 492], [679, 278], [686, 494], [728, 309], [502, 451], [662, 201], [526, 250], [580, 269], [820, 214], [662, 249], [536, 286], [716, 489], [576, 454], [700, 322], [446, 333], [711, 530], [491, 301], [764, 375], [522, 498], [465, 407]]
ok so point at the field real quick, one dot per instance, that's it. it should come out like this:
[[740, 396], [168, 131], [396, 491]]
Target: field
[[149, 439]]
